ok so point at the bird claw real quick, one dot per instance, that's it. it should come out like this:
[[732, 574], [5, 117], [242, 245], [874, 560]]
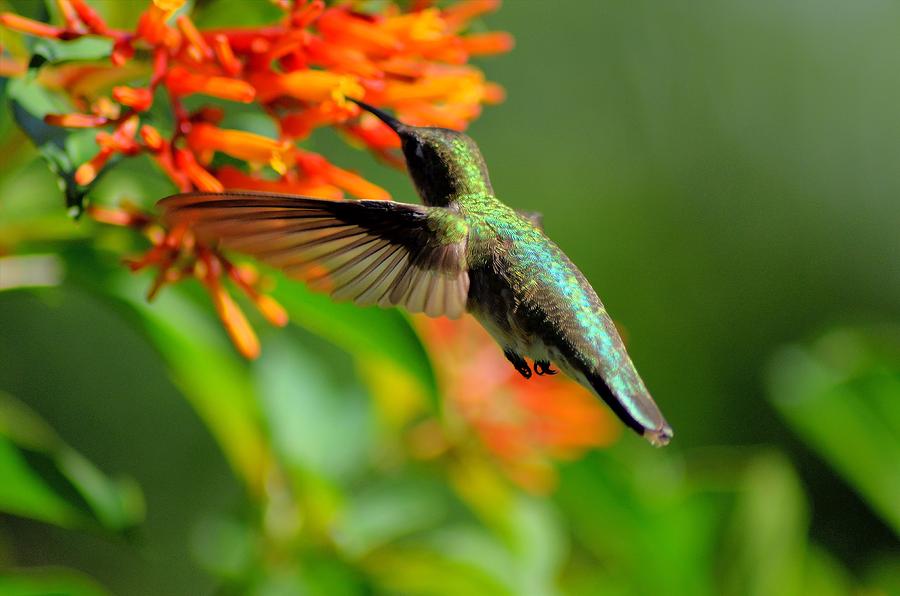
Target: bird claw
[[520, 364], [542, 367]]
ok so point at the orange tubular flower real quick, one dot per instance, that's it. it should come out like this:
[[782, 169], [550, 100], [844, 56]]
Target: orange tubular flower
[[225, 55], [139, 99], [485, 44], [194, 40], [76, 120], [202, 179], [180, 81], [87, 172], [310, 187], [307, 85], [151, 137], [89, 17], [31, 27], [242, 334], [300, 70], [250, 147]]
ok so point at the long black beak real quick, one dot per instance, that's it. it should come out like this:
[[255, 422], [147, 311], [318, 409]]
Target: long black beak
[[395, 124]]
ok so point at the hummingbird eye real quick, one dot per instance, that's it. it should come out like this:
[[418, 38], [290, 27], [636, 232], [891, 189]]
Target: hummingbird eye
[[420, 152]]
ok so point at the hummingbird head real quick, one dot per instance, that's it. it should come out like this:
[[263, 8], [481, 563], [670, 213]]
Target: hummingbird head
[[444, 164]]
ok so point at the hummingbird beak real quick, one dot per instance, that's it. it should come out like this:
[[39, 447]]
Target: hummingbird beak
[[395, 124]]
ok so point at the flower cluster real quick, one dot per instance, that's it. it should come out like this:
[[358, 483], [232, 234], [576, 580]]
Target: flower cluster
[[299, 71]]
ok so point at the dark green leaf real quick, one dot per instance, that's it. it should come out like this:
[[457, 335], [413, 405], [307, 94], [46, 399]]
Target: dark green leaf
[[48, 582], [29, 102], [765, 551], [44, 478], [843, 398]]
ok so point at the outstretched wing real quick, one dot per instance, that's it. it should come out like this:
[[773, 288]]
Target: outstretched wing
[[371, 252]]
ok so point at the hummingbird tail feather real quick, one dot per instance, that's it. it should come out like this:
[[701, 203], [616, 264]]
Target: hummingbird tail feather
[[636, 410]]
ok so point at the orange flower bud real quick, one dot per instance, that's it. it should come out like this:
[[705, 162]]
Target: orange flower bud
[[31, 27], [355, 184], [243, 145], [75, 120], [202, 179], [421, 26], [225, 55], [151, 137], [305, 14], [494, 93], [139, 99], [299, 125], [233, 178], [90, 17], [122, 52], [235, 322], [271, 310], [193, 37], [458, 15], [456, 87], [307, 85], [487, 43], [182, 82], [152, 24], [345, 59], [338, 24], [68, 13], [87, 172]]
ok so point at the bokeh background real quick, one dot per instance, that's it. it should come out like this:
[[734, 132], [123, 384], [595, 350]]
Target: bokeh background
[[724, 172]]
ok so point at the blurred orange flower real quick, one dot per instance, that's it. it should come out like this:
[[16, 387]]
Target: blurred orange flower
[[524, 423], [299, 70]]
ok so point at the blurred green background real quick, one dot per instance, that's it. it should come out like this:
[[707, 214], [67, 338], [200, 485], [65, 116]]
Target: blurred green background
[[724, 172]]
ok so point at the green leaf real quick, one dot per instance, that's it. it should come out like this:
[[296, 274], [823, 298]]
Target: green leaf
[[302, 405], [209, 372], [390, 510], [842, 397], [370, 334], [83, 49], [219, 13], [765, 550], [43, 478], [23, 492], [45, 582], [29, 102]]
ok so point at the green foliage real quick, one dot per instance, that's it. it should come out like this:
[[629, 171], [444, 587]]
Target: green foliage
[[29, 102], [37, 582], [841, 396], [43, 478]]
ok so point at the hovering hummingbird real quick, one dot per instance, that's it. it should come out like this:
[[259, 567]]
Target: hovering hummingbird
[[462, 251]]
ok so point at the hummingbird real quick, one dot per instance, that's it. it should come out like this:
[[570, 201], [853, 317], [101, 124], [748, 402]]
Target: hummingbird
[[462, 250]]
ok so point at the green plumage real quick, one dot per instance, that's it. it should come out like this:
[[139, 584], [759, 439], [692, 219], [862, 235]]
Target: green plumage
[[463, 250]]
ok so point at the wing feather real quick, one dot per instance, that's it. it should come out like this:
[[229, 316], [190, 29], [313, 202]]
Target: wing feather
[[370, 252]]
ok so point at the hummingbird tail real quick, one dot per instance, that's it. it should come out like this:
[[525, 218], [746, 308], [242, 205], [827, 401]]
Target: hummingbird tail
[[624, 392]]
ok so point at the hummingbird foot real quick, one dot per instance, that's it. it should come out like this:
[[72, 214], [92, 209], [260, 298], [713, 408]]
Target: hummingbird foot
[[519, 363], [542, 367]]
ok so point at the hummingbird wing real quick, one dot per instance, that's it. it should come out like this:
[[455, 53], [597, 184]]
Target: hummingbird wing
[[371, 252]]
